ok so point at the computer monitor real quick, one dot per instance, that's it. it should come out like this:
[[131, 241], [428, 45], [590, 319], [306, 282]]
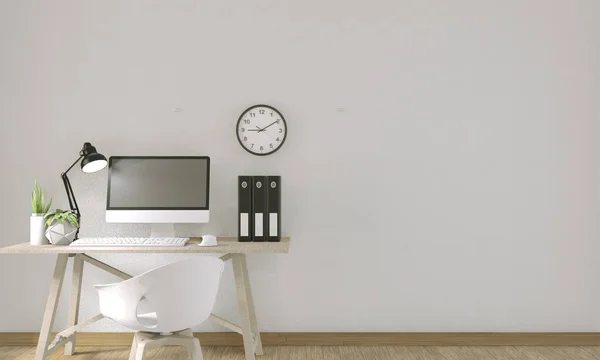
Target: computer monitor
[[158, 190]]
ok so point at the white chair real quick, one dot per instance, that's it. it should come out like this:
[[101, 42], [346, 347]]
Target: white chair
[[163, 304]]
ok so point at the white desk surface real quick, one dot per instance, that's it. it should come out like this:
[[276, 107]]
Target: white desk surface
[[226, 245]]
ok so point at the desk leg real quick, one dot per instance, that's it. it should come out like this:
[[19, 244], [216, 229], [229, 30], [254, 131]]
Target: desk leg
[[74, 301], [258, 350], [245, 304], [51, 304]]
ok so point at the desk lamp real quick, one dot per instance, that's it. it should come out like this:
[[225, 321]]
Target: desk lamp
[[92, 162]]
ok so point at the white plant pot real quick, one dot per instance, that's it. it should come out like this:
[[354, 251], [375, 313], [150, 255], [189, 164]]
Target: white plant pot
[[37, 227], [60, 234]]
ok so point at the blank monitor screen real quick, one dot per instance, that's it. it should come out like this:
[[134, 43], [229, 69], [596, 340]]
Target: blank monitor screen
[[158, 183]]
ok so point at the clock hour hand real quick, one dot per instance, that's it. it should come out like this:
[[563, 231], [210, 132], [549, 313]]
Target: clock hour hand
[[258, 129]]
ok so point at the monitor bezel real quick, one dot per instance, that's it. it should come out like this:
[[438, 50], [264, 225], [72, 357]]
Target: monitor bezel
[[110, 160]]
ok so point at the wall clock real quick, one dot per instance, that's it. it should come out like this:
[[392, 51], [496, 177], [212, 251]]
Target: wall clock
[[261, 130]]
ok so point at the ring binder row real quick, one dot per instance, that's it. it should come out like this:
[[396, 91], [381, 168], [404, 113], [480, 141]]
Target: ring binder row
[[259, 208]]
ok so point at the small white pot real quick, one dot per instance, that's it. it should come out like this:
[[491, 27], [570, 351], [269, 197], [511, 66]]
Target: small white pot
[[37, 227], [61, 234]]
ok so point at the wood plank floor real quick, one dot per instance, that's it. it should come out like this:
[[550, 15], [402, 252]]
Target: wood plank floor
[[332, 353]]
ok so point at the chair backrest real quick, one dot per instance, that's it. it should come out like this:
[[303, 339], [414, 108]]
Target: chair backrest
[[181, 295]]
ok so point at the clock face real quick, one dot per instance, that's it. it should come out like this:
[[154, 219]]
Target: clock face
[[261, 130]]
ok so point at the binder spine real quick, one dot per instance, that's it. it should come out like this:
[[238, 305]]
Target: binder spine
[[245, 208], [259, 207], [274, 207]]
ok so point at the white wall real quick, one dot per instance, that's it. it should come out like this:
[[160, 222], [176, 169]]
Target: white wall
[[458, 191]]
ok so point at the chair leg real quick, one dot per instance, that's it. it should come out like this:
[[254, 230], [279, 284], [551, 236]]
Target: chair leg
[[134, 346], [186, 332], [194, 349], [140, 350]]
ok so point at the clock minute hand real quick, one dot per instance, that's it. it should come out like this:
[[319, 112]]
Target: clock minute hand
[[263, 129]]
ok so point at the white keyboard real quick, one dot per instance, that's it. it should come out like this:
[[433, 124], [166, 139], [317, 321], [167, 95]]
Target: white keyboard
[[129, 241]]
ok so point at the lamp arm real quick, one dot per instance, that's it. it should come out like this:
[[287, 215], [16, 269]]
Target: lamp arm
[[76, 161], [71, 195]]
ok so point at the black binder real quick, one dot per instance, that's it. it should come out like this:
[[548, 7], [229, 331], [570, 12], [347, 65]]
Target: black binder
[[259, 208], [245, 208], [274, 207]]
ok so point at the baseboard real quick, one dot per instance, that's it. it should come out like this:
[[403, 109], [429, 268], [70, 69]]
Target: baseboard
[[339, 339]]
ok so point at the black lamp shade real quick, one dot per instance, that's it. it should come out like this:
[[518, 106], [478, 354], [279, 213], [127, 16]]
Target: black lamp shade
[[92, 161]]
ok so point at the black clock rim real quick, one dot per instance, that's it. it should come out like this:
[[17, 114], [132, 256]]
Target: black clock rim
[[237, 134]]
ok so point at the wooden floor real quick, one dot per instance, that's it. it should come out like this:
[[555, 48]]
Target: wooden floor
[[331, 353]]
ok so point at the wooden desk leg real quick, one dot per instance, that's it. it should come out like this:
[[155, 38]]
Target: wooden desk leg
[[51, 304], [258, 350], [242, 288], [74, 301]]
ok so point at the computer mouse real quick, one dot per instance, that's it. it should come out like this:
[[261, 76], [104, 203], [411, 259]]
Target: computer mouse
[[208, 240]]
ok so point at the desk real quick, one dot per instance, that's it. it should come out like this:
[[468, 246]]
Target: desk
[[230, 247]]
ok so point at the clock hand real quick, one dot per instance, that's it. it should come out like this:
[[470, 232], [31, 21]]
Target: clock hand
[[263, 129], [269, 125]]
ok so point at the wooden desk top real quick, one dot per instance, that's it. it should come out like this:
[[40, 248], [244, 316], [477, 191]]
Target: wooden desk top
[[226, 245]]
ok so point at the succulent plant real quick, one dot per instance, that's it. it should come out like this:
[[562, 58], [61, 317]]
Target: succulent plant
[[61, 216], [38, 203]]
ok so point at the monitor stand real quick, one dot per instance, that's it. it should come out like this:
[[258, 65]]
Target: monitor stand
[[162, 230]]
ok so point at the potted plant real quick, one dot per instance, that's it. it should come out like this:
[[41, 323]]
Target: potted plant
[[39, 208], [62, 227]]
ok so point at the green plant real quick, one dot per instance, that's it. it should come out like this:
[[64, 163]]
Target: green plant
[[61, 216], [38, 203]]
